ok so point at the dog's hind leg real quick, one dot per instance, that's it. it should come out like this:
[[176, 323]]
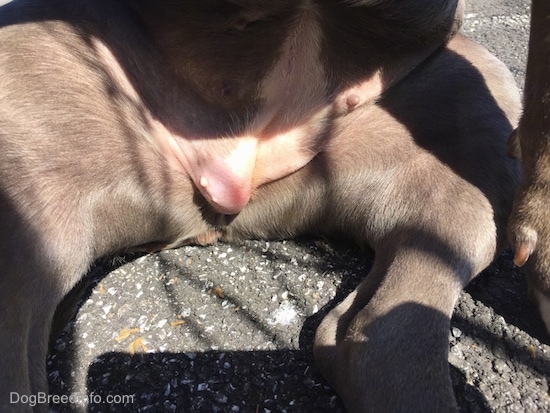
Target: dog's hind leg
[[385, 347], [28, 297], [41, 262]]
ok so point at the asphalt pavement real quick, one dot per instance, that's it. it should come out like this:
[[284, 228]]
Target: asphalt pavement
[[229, 328]]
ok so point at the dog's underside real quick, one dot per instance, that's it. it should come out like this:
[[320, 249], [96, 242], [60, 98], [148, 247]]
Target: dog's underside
[[420, 175]]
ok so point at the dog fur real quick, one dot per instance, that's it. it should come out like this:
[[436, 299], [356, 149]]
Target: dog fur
[[144, 124], [529, 229]]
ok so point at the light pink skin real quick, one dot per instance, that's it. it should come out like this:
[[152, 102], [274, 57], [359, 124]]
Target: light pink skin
[[227, 173], [282, 138], [278, 141]]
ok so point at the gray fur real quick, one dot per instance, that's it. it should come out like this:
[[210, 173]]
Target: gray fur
[[417, 171], [529, 229]]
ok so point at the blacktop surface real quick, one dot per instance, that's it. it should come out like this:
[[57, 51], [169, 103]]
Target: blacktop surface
[[229, 328]]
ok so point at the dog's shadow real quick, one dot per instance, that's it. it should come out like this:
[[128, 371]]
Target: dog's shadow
[[252, 380]]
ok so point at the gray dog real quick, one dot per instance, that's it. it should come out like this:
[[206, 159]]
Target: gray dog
[[146, 124], [529, 229]]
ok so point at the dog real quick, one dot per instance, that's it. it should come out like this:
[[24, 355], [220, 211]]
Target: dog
[[529, 228], [144, 125]]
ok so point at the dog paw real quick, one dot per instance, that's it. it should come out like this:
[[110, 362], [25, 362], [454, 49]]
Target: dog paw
[[529, 223]]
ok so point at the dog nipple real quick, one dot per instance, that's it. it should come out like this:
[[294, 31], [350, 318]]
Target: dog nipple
[[352, 101]]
